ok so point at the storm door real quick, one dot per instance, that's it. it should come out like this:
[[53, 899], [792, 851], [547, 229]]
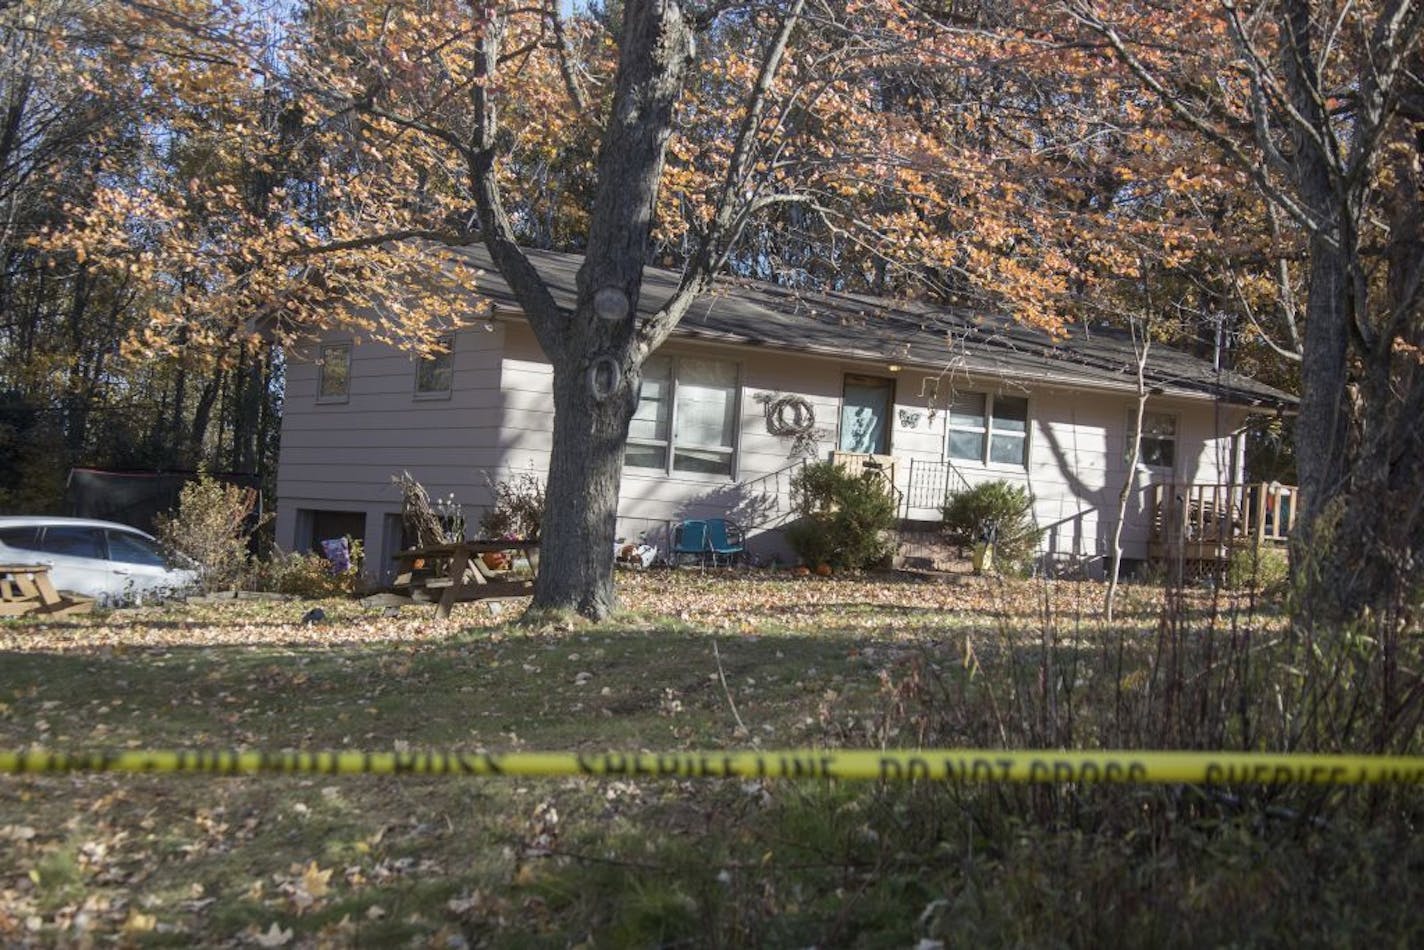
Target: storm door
[[865, 414]]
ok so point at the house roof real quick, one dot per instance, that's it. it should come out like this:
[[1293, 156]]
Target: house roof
[[970, 348]]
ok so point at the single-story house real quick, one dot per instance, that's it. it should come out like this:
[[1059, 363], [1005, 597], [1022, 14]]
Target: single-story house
[[756, 379]]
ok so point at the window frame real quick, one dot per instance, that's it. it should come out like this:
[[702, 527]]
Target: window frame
[[987, 432], [670, 445], [446, 340], [345, 394], [1175, 439]]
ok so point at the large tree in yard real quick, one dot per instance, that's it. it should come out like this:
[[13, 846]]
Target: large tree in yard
[[597, 349], [1320, 104], [772, 118]]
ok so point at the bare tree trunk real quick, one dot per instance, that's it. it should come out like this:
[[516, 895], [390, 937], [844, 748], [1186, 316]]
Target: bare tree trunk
[[202, 416], [1322, 428], [1134, 452]]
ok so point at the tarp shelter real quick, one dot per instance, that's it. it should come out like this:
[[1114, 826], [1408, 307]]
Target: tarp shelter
[[134, 498]]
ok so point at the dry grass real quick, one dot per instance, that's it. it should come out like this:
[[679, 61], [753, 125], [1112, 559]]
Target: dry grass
[[841, 661]]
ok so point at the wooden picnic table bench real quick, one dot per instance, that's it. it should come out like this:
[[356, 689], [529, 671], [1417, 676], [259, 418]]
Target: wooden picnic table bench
[[459, 573], [26, 589]]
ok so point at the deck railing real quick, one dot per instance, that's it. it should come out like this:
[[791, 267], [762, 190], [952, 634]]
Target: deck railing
[[1223, 515]]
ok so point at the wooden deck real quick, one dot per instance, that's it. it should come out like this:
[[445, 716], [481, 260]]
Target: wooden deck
[[1199, 522]]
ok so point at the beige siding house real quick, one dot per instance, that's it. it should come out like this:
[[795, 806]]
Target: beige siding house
[[940, 400]]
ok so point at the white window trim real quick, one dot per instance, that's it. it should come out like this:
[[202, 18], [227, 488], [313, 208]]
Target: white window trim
[[446, 340], [987, 431], [671, 445], [321, 372], [1176, 440]]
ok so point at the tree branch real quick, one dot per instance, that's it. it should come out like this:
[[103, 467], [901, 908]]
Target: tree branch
[[448, 238], [544, 314], [1302, 215], [726, 222]]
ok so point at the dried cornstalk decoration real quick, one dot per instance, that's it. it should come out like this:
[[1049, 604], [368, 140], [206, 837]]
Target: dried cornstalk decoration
[[422, 524]]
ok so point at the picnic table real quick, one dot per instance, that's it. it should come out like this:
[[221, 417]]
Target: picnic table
[[458, 574], [26, 589]]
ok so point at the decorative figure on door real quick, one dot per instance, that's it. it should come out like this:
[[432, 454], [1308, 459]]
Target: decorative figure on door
[[862, 430]]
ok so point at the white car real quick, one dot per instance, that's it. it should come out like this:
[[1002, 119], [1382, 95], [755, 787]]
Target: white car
[[110, 562]]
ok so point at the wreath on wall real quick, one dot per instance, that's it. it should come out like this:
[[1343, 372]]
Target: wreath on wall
[[791, 416]]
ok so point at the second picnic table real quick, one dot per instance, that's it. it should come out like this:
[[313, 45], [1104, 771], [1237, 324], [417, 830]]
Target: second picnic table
[[458, 572]]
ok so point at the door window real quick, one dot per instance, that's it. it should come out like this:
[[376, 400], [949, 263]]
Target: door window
[[24, 539], [73, 542], [865, 415]]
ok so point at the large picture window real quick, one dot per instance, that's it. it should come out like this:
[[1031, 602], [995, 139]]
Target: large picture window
[[687, 417], [988, 429], [334, 373]]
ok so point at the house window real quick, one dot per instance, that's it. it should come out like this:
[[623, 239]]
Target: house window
[[435, 373], [687, 417], [865, 415], [988, 429], [334, 373], [314, 527], [1158, 447]]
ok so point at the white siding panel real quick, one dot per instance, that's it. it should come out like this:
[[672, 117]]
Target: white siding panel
[[342, 455], [499, 419]]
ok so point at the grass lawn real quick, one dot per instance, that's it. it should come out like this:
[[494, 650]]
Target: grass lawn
[[286, 861]]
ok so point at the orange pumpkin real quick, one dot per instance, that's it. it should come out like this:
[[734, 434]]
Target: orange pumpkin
[[801, 570], [495, 560], [823, 570]]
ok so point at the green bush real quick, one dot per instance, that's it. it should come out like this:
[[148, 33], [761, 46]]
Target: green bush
[[845, 520], [211, 525], [1259, 568], [1004, 509]]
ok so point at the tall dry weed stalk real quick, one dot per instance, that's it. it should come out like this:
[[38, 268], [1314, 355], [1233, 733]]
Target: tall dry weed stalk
[[1197, 670]]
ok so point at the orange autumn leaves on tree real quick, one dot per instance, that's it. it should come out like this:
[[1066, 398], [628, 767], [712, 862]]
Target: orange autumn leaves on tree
[[991, 165], [999, 166], [240, 205]]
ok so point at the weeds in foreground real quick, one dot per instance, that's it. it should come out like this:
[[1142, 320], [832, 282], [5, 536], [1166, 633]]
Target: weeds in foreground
[[840, 662]]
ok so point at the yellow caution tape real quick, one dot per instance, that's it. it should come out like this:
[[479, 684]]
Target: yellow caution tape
[[936, 765]]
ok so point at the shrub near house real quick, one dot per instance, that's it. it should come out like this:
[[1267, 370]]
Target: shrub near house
[[845, 520], [996, 510]]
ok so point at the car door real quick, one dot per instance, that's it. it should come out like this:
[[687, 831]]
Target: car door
[[137, 564], [76, 559]]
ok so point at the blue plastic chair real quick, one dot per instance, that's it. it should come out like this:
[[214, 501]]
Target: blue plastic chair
[[689, 539], [724, 541]]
